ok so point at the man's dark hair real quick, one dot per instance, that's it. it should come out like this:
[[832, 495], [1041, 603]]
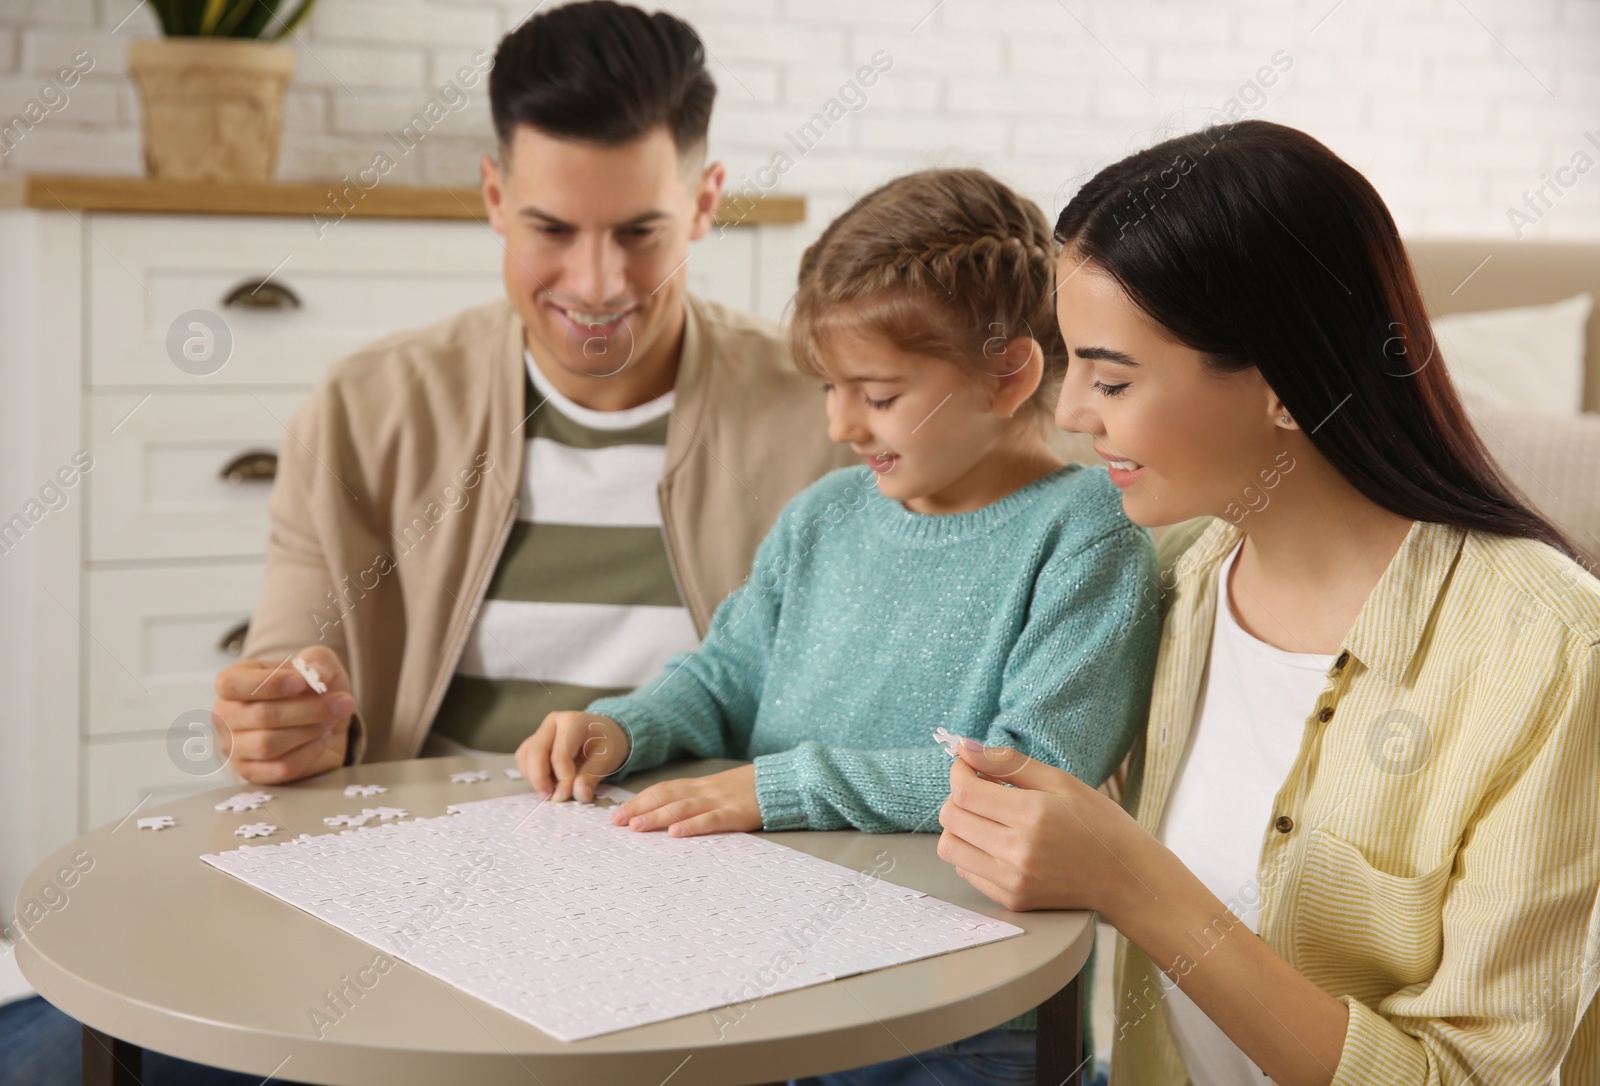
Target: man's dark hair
[[602, 72]]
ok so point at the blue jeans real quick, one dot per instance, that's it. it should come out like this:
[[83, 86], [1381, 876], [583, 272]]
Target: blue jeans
[[42, 1046], [995, 1056]]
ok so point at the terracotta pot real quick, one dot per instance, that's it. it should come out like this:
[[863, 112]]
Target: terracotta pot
[[213, 107]]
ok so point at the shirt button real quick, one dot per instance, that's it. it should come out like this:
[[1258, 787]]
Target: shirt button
[[1344, 658], [1326, 714], [1284, 824]]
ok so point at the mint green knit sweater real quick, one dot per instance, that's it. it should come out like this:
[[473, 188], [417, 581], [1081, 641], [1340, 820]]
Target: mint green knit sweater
[[864, 626]]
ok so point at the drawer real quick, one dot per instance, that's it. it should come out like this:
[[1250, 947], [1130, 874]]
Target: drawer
[[182, 476], [117, 774], [152, 643], [362, 280]]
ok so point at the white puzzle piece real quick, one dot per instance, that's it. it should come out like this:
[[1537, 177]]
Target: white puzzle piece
[[157, 822], [514, 774], [244, 801], [469, 777], [256, 829], [382, 814], [949, 742], [364, 789], [579, 927], [310, 674]]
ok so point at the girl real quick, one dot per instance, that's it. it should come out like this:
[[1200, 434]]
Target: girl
[[1364, 811], [963, 578]]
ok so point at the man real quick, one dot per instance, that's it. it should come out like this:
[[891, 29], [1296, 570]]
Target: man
[[531, 503], [595, 458]]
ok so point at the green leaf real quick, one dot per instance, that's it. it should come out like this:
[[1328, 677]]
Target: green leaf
[[168, 16], [228, 18], [213, 12], [247, 18], [292, 24], [180, 18]]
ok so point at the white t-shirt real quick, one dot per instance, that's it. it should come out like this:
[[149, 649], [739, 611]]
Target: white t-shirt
[[1253, 709], [594, 613]]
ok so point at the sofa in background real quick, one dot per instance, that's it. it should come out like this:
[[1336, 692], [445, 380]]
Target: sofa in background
[[1553, 459]]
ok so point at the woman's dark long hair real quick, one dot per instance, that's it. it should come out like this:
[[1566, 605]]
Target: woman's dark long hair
[[1255, 245]]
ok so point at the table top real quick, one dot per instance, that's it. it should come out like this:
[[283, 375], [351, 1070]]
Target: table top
[[142, 940]]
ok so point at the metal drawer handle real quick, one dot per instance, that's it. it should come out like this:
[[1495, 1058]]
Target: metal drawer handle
[[251, 467], [261, 294], [232, 642]]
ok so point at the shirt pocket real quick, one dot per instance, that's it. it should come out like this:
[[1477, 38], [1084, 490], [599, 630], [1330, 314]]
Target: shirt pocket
[[1363, 932]]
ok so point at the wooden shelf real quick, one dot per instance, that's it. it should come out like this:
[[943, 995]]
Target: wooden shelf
[[84, 192]]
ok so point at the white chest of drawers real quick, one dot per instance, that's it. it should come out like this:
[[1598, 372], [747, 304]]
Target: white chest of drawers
[[120, 590]]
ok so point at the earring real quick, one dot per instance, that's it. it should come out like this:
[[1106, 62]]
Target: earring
[[1285, 419]]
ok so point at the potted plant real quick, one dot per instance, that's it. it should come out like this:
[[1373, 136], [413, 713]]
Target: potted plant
[[212, 89]]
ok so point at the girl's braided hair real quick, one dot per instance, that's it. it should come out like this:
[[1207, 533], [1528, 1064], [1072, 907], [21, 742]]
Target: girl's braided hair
[[947, 263]]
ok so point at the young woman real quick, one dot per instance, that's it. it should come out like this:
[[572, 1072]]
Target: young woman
[[1360, 843]]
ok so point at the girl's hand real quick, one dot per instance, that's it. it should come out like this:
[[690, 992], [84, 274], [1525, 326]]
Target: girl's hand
[[570, 753], [720, 803], [1051, 842]]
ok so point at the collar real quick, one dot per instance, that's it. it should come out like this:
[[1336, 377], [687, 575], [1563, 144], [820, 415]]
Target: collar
[[1389, 629], [625, 419], [683, 424]]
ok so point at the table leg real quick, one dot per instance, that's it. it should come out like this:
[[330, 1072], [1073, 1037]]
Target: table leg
[[1059, 1056], [108, 1061]]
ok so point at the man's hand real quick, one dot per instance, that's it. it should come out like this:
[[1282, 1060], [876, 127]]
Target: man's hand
[[570, 752], [720, 803], [275, 728]]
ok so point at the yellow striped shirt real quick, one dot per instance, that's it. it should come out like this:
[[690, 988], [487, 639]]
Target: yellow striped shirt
[[1433, 859]]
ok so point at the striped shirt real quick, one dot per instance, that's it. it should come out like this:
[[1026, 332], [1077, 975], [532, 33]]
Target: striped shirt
[[1433, 857], [583, 603]]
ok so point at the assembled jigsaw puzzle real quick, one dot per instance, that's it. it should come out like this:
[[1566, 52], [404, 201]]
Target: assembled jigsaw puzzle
[[367, 814], [579, 927]]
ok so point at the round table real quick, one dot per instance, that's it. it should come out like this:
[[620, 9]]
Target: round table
[[150, 947]]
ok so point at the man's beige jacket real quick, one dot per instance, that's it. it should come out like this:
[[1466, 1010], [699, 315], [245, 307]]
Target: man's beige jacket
[[398, 483]]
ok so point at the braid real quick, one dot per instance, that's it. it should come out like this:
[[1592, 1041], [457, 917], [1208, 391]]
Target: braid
[[947, 260], [983, 246], [974, 259]]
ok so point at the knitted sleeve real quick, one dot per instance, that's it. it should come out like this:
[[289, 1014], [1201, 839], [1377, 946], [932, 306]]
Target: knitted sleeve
[[1074, 694], [703, 704]]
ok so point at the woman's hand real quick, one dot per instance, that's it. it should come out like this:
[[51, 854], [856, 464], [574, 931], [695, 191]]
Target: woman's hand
[[570, 753], [1051, 842], [720, 803]]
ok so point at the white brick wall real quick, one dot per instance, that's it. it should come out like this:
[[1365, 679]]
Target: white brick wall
[[1452, 107]]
